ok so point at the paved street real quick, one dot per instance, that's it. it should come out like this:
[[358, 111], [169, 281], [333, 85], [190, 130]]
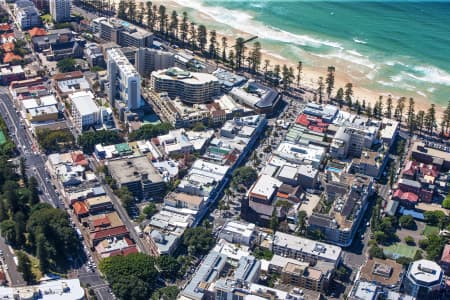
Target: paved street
[[14, 277], [36, 167]]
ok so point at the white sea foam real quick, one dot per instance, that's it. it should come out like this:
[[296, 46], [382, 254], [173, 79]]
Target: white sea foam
[[421, 93], [398, 85], [431, 74], [345, 55], [358, 41], [354, 52], [397, 78], [431, 90], [244, 22]]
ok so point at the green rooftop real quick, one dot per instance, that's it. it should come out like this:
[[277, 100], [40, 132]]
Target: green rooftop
[[122, 148]]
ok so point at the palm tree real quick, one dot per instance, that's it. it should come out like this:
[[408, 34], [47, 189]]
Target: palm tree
[[348, 94], [150, 23], [213, 44], [410, 120], [193, 36], [184, 28], [240, 50], [224, 48], [299, 73], [173, 26], [162, 18], [140, 15], [420, 120], [256, 57], [389, 107], [320, 88], [231, 60], [430, 119], [202, 37], [398, 114], [330, 81]]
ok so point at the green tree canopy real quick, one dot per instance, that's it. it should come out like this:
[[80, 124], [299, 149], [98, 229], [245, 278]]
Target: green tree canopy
[[168, 266], [166, 293], [244, 175], [198, 240], [149, 131], [66, 65], [89, 139], [131, 277], [407, 221]]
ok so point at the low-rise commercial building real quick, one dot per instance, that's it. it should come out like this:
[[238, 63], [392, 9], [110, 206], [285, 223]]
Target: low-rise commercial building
[[68, 83], [138, 175], [11, 73], [238, 232], [261, 98]]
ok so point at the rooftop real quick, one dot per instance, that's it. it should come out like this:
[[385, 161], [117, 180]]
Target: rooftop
[[425, 272], [184, 76], [265, 187], [321, 250], [84, 102], [384, 272], [132, 169]]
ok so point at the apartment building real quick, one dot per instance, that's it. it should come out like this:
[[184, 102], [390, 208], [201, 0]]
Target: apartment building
[[124, 81], [348, 195], [60, 10], [123, 33], [190, 87], [149, 60], [85, 112], [307, 250], [27, 15]]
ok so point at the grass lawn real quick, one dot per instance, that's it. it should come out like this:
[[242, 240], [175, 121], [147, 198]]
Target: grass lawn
[[2, 138], [430, 230], [399, 249]]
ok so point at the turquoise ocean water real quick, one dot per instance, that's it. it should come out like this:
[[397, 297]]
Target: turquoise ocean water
[[400, 47]]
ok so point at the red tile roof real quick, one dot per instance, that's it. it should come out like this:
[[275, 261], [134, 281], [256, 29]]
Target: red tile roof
[[5, 27], [79, 159], [80, 208], [36, 31], [124, 252], [112, 232], [312, 123], [446, 254], [7, 36], [8, 47], [101, 222], [10, 57], [406, 196], [68, 75]]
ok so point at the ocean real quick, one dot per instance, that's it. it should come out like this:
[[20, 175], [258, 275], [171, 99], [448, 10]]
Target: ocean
[[398, 47]]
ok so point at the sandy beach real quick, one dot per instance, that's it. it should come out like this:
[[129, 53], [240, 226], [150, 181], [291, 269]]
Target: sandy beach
[[310, 75]]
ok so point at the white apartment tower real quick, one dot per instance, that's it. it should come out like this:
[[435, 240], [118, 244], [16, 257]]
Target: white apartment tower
[[60, 10], [124, 80]]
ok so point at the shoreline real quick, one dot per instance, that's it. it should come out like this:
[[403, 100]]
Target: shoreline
[[310, 75]]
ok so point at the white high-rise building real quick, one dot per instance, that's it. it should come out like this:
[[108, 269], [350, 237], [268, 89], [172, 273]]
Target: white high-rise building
[[124, 80], [60, 10]]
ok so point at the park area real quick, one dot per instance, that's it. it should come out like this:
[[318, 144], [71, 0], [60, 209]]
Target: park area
[[400, 250]]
